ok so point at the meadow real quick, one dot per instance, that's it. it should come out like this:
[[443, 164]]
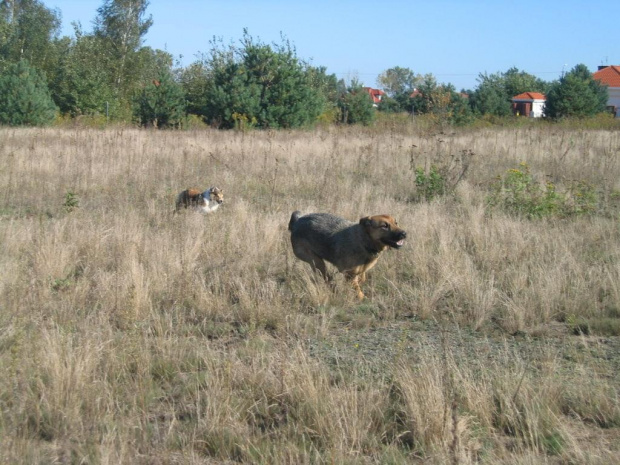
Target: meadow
[[129, 335]]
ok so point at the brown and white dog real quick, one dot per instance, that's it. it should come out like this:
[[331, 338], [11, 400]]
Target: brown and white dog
[[351, 247], [204, 202]]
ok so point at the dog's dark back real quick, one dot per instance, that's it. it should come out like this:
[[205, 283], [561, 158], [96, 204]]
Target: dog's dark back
[[328, 236], [319, 226]]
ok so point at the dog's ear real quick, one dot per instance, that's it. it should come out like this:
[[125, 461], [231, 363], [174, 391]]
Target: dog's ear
[[366, 221]]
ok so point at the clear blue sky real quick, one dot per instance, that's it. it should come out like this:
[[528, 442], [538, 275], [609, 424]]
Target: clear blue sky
[[453, 39]]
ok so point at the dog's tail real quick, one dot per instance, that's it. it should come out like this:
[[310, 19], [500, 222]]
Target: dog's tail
[[294, 217]]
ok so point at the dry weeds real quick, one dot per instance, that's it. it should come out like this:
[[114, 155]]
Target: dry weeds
[[130, 335]]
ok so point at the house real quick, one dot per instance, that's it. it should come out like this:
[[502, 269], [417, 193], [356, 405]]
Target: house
[[530, 104], [375, 94], [610, 76]]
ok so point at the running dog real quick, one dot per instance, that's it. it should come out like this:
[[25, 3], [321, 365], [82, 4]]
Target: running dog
[[353, 248], [204, 202]]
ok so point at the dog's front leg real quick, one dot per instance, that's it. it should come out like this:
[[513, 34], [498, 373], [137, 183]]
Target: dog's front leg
[[355, 282]]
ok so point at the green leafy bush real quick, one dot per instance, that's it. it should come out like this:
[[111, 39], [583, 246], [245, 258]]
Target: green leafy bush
[[440, 176], [520, 193], [429, 184]]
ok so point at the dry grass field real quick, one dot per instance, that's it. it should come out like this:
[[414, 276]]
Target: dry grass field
[[129, 335]]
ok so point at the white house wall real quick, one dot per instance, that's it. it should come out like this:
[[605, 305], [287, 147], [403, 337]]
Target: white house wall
[[538, 109], [614, 99]]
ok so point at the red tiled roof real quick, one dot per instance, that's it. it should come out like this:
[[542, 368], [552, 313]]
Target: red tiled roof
[[609, 76], [374, 93], [530, 96]]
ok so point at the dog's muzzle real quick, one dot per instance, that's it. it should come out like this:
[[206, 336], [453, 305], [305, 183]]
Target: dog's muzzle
[[397, 240]]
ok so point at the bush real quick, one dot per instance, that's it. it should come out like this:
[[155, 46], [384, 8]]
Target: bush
[[429, 184], [441, 177], [519, 192], [72, 201]]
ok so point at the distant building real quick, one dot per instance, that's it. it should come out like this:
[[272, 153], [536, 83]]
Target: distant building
[[529, 104], [375, 94], [610, 76]]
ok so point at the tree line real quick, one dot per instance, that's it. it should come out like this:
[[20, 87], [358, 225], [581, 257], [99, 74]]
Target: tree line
[[108, 72]]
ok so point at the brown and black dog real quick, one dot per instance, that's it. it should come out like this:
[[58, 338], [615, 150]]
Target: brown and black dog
[[204, 202], [353, 248]]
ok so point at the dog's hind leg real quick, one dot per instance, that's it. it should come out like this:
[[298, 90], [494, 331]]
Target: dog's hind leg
[[316, 262]]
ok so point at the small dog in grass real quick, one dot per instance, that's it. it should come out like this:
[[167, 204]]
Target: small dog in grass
[[351, 247], [204, 202]]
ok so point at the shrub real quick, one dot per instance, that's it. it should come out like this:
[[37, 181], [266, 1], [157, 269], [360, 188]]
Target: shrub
[[71, 201], [429, 184], [520, 193], [441, 177]]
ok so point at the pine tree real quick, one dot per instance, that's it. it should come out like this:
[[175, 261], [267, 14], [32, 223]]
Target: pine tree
[[576, 94], [161, 103], [24, 97], [260, 85]]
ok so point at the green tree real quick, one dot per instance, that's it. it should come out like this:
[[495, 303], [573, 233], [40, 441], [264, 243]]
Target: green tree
[[356, 106], [397, 80], [81, 85], [261, 85], [494, 93], [516, 82], [490, 97], [194, 80], [392, 105], [327, 86], [27, 29], [442, 102], [161, 103], [398, 83], [576, 94], [24, 97], [120, 26]]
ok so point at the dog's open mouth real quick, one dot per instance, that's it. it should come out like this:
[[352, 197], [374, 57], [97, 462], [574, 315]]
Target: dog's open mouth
[[395, 244]]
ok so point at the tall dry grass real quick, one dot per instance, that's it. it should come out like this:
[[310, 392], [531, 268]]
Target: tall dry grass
[[131, 335]]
